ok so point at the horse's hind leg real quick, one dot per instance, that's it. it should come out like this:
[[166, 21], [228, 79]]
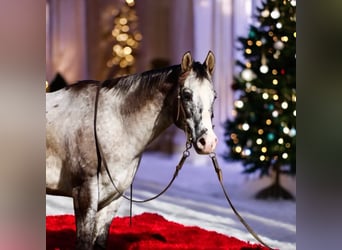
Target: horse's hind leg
[[85, 206], [104, 219]]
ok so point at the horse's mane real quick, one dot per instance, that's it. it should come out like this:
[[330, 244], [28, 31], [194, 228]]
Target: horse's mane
[[145, 84]]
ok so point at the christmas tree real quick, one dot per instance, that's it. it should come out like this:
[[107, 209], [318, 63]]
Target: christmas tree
[[262, 133], [124, 38]]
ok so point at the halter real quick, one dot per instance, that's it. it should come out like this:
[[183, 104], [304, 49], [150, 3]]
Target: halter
[[185, 155]]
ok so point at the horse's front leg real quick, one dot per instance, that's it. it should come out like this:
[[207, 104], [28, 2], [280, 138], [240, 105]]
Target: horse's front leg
[[85, 199], [104, 219]]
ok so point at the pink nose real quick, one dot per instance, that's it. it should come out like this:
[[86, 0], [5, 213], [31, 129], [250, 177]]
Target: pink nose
[[207, 143]]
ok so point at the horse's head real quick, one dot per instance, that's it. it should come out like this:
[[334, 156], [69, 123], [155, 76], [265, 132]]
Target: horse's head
[[195, 102]]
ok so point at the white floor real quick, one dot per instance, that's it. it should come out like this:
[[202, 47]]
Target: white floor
[[196, 198]]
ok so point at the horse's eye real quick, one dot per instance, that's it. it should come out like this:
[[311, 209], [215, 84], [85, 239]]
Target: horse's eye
[[187, 96]]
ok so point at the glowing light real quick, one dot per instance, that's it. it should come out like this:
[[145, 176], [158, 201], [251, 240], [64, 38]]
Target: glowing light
[[279, 25], [294, 34], [268, 122], [279, 45], [265, 13], [265, 96], [247, 152], [292, 132], [274, 72], [275, 82], [275, 113], [127, 50], [284, 38], [248, 75], [275, 97], [293, 3], [238, 104], [258, 43], [238, 149], [122, 37], [275, 14], [294, 112], [260, 131], [123, 64], [245, 126], [264, 149], [262, 158], [263, 69], [284, 105], [250, 42], [280, 140], [129, 59], [130, 2], [286, 130], [285, 155], [248, 51], [259, 141], [123, 21], [125, 28]]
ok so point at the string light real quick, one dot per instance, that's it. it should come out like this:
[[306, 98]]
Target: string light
[[248, 75], [275, 14], [238, 149], [284, 105], [245, 126], [265, 13], [126, 38], [286, 130], [264, 69], [285, 155], [280, 141], [238, 104]]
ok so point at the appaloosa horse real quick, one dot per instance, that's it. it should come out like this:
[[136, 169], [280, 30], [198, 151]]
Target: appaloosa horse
[[126, 113]]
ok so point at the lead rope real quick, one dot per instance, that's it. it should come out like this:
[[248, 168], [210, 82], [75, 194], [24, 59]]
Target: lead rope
[[219, 176], [186, 154]]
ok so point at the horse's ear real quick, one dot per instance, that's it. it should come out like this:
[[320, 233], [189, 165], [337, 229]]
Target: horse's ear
[[210, 62], [186, 62]]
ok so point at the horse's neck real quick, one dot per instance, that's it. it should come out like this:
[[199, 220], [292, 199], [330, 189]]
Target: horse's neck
[[144, 125]]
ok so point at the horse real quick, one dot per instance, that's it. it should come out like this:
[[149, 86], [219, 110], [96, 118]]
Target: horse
[[126, 114]]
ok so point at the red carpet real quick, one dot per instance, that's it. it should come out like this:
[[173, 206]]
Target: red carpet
[[148, 231]]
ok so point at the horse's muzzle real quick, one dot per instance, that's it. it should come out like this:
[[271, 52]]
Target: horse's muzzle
[[206, 143]]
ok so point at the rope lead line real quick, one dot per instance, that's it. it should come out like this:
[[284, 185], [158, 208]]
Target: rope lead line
[[219, 176]]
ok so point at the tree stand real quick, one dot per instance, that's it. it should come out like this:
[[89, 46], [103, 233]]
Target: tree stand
[[275, 191]]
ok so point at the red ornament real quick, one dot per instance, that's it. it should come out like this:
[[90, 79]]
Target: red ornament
[[282, 71]]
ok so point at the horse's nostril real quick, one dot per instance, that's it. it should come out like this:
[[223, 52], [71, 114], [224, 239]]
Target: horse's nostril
[[202, 141]]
